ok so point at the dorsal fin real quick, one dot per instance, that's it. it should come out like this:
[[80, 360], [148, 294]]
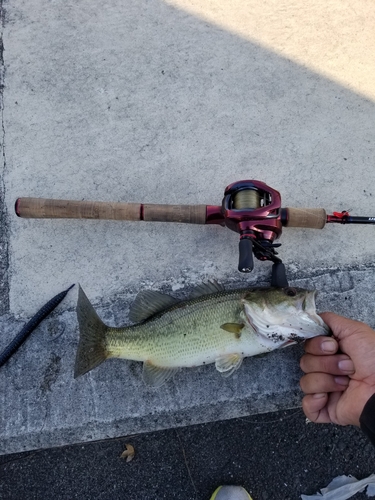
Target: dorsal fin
[[147, 303], [206, 288]]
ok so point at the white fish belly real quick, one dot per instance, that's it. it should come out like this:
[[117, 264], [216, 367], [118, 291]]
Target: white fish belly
[[200, 349]]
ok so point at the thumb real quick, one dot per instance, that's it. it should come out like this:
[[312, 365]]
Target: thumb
[[315, 408], [342, 327]]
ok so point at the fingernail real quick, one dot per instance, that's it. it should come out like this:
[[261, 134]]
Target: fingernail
[[319, 395], [329, 346], [346, 365], [342, 380]]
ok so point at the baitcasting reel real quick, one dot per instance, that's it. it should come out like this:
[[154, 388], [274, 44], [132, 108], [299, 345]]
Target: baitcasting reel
[[252, 209]]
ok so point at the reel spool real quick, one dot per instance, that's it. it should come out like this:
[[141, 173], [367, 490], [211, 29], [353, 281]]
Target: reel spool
[[249, 199]]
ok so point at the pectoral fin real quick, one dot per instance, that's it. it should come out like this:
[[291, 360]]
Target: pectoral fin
[[156, 376], [235, 328], [226, 365]]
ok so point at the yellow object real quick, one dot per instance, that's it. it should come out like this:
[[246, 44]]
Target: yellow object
[[230, 493]]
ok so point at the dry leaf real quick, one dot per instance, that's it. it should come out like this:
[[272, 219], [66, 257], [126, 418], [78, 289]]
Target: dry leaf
[[128, 454]]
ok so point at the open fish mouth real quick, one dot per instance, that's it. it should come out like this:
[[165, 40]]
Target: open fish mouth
[[286, 322]]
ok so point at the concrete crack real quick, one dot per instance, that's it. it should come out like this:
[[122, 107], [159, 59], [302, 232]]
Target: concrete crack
[[4, 256]]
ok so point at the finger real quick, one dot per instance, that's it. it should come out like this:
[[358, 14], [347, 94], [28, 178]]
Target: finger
[[323, 382], [315, 408], [333, 400], [321, 346], [341, 326], [339, 364]]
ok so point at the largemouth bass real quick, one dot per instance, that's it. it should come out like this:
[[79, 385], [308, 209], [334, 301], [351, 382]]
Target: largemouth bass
[[213, 326]]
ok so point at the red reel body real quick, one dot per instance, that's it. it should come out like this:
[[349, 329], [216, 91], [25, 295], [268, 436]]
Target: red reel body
[[262, 222]]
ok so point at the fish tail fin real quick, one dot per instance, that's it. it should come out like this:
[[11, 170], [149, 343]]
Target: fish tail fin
[[91, 350]]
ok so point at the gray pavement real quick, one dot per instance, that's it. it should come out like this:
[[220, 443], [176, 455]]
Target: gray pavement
[[163, 103], [275, 456], [43, 406]]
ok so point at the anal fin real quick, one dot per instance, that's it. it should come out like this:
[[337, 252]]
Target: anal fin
[[156, 376]]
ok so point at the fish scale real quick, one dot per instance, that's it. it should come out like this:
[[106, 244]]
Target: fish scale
[[182, 333]]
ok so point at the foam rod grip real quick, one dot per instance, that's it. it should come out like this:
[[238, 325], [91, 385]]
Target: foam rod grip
[[314, 218]]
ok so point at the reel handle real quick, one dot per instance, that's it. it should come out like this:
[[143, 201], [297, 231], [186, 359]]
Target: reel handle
[[246, 260], [41, 208]]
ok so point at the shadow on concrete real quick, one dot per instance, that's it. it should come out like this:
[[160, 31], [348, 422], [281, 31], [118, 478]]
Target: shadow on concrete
[[141, 101]]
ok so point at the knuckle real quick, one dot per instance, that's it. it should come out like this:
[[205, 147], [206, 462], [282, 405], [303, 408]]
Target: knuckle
[[303, 383], [309, 345], [305, 406], [302, 363]]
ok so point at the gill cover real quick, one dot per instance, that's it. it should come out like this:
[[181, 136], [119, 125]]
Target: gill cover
[[283, 316]]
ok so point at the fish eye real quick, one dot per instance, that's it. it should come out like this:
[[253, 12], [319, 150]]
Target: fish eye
[[291, 292]]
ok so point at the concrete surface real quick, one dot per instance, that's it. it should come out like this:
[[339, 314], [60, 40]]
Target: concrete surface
[[275, 456], [43, 406], [154, 101]]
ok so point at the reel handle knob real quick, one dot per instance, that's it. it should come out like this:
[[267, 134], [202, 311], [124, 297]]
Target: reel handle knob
[[246, 260]]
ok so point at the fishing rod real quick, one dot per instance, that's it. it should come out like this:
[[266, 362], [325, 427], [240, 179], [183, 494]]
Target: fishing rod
[[249, 207]]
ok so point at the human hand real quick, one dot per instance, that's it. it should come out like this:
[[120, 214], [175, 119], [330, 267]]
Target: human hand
[[337, 386]]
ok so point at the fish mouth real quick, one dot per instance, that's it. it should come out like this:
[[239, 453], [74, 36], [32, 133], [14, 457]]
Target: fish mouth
[[283, 324], [309, 315]]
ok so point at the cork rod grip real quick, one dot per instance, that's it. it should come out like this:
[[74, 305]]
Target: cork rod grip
[[40, 208], [314, 218]]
